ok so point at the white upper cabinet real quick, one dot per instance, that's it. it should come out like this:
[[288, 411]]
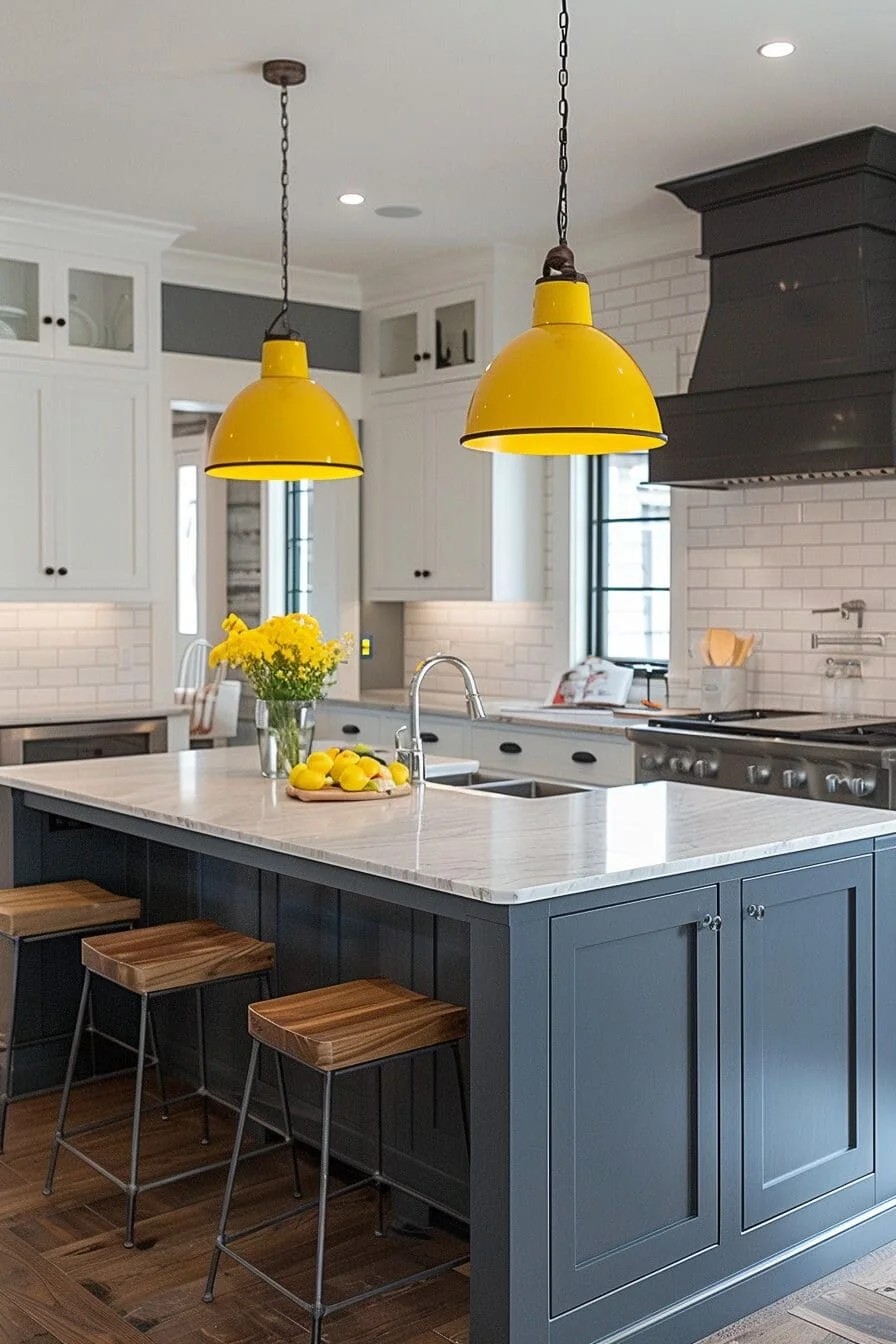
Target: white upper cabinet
[[76, 307], [427, 340], [441, 522]]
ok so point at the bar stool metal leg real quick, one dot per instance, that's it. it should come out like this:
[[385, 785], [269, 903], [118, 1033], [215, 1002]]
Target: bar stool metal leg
[[284, 1098], [203, 1068], [154, 1051], [378, 1174], [133, 1188], [67, 1085], [208, 1295], [318, 1308], [10, 1037]]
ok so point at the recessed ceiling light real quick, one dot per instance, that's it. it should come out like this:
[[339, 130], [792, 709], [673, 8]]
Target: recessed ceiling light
[[351, 198], [398, 211], [774, 50]]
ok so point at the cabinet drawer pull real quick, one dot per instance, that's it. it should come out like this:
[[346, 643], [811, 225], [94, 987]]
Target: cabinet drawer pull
[[49, 570], [60, 321], [427, 573], [711, 922], [584, 757], [418, 573], [47, 321], [427, 355], [62, 570], [510, 748], [429, 737], [417, 359], [756, 911], [351, 730]]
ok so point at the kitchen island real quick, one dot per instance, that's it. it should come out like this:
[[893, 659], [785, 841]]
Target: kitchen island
[[682, 1052]]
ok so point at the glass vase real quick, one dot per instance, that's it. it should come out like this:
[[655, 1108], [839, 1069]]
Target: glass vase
[[285, 733]]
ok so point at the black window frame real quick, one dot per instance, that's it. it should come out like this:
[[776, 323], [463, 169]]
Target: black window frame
[[293, 541]]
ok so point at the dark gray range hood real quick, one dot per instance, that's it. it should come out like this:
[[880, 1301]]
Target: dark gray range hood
[[795, 376]]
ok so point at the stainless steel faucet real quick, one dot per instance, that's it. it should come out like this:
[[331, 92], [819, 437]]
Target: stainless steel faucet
[[411, 754]]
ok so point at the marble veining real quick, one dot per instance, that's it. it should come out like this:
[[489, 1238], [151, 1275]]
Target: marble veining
[[478, 846]]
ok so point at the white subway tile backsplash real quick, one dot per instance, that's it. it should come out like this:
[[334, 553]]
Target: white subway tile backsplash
[[69, 654]]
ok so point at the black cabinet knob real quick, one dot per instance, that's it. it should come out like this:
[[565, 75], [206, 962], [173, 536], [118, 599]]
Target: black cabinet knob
[[62, 570], [584, 757], [47, 321], [60, 321], [429, 737], [417, 359], [427, 355], [49, 570], [351, 730], [426, 573], [510, 748], [418, 573]]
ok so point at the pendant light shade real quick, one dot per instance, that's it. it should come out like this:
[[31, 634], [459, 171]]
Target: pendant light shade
[[284, 426], [563, 387]]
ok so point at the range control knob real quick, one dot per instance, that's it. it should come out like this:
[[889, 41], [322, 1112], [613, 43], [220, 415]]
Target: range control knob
[[705, 769], [860, 787], [649, 762], [758, 774], [833, 783], [793, 779], [679, 765]]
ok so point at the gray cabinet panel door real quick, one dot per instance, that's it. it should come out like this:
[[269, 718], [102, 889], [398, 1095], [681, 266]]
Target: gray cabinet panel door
[[807, 1024], [634, 1092]]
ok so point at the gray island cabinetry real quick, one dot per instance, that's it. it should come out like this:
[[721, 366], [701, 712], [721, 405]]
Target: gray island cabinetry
[[682, 1054]]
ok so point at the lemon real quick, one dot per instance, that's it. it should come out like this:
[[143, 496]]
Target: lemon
[[369, 766], [346, 756], [319, 760], [342, 761], [400, 773], [302, 777], [352, 779], [332, 752]]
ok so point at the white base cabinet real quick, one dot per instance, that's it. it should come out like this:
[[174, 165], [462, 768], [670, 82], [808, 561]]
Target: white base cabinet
[[441, 522]]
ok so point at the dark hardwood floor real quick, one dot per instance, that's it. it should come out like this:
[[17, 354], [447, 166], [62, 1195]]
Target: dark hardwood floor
[[65, 1276]]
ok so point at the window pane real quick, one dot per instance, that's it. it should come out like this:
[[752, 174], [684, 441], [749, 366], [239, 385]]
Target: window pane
[[636, 554], [187, 551], [636, 626], [299, 498], [629, 494]]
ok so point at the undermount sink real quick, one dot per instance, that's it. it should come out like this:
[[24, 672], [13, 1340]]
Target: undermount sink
[[488, 781]]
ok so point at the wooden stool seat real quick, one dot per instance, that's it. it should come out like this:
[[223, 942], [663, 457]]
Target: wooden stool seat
[[341, 1026], [58, 907], [175, 956]]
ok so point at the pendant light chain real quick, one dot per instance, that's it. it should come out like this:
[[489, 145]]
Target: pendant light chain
[[563, 108], [282, 317]]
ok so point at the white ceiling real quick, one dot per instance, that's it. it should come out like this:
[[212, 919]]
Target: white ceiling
[[158, 109]]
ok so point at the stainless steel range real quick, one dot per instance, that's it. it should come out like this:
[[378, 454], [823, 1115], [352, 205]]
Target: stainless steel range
[[773, 751]]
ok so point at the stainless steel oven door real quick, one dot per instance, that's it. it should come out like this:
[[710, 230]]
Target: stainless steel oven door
[[34, 743]]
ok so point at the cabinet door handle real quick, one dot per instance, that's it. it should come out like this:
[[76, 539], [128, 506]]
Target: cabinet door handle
[[510, 748], [429, 737], [584, 757], [418, 573], [756, 911], [427, 573], [47, 321], [62, 570], [49, 570], [427, 355], [60, 321], [417, 359], [711, 922], [351, 730]]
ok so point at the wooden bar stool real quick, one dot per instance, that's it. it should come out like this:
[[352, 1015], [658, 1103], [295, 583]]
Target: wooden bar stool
[[39, 914], [339, 1030], [151, 962]]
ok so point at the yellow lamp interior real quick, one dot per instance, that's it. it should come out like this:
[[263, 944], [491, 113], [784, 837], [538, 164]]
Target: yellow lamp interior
[[284, 426], [563, 387]]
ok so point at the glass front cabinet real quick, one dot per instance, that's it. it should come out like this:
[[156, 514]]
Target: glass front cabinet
[[80, 308], [430, 340]]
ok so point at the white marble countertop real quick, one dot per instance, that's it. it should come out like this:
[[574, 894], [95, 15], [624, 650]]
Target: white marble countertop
[[475, 845], [28, 718], [526, 713]]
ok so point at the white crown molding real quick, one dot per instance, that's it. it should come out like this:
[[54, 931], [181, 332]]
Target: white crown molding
[[241, 275], [427, 275], [75, 219]]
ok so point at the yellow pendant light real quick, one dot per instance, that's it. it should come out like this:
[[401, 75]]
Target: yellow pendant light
[[563, 387], [284, 427]]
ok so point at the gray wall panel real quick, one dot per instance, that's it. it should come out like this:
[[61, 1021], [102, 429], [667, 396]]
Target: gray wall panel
[[231, 326]]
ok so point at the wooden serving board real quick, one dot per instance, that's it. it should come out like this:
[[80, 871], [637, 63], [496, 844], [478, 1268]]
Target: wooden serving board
[[337, 795]]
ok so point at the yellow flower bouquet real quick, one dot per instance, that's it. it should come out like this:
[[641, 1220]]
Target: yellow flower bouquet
[[289, 665]]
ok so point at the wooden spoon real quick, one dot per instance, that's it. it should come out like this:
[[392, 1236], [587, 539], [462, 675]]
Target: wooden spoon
[[746, 648], [703, 646], [722, 644]]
